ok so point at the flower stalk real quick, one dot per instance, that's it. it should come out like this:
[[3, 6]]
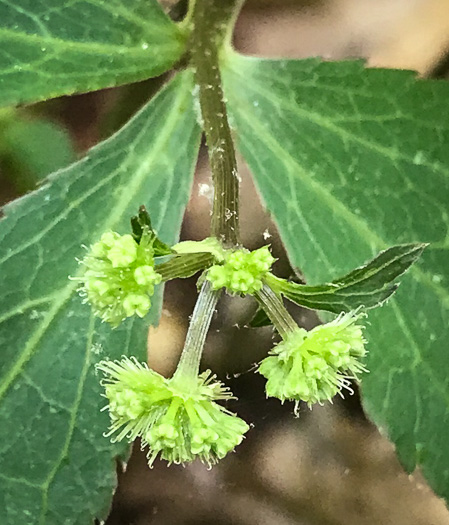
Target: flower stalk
[[189, 362], [276, 311]]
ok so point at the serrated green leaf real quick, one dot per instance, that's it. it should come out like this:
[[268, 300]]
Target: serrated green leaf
[[350, 161], [55, 465], [368, 286], [59, 47]]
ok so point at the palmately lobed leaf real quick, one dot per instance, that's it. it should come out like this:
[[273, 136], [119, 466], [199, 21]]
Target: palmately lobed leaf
[[55, 465], [350, 161], [60, 47]]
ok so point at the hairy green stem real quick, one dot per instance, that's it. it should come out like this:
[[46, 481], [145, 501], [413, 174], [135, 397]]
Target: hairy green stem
[[276, 311], [189, 363], [211, 20]]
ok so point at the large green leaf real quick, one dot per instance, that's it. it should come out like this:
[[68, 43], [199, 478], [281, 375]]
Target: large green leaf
[[350, 161], [55, 465], [58, 47]]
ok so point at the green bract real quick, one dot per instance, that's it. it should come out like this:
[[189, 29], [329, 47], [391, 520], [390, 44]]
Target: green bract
[[208, 245], [120, 277], [242, 271], [176, 418], [314, 366]]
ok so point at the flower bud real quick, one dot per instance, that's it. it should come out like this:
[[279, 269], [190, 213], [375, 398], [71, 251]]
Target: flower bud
[[242, 271], [123, 251], [135, 303]]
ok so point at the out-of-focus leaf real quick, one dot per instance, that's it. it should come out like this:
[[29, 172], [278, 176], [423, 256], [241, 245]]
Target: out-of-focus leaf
[[33, 148], [58, 47], [260, 319]]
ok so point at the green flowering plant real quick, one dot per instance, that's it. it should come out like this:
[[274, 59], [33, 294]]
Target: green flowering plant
[[181, 419], [330, 155]]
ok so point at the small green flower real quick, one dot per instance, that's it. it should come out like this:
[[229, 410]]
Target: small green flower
[[314, 366], [120, 277], [242, 271], [175, 418]]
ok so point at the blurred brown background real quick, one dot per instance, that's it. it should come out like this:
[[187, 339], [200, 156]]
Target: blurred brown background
[[330, 466]]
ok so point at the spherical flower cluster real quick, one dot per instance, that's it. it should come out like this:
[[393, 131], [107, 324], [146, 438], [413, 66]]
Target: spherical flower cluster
[[242, 271], [120, 277], [176, 418], [314, 366]]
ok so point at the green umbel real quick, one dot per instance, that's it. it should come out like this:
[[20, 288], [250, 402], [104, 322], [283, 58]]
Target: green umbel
[[120, 277], [176, 418], [242, 271], [314, 366]]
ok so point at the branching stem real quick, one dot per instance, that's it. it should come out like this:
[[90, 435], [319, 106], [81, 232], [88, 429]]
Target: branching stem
[[189, 362]]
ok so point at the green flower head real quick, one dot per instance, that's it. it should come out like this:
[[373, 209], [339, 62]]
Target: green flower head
[[120, 277], [176, 419], [314, 366], [242, 271]]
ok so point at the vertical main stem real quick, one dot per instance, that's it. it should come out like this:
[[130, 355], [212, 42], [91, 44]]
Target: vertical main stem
[[210, 19]]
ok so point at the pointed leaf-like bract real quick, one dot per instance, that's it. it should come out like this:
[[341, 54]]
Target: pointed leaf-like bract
[[142, 222], [367, 286]]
